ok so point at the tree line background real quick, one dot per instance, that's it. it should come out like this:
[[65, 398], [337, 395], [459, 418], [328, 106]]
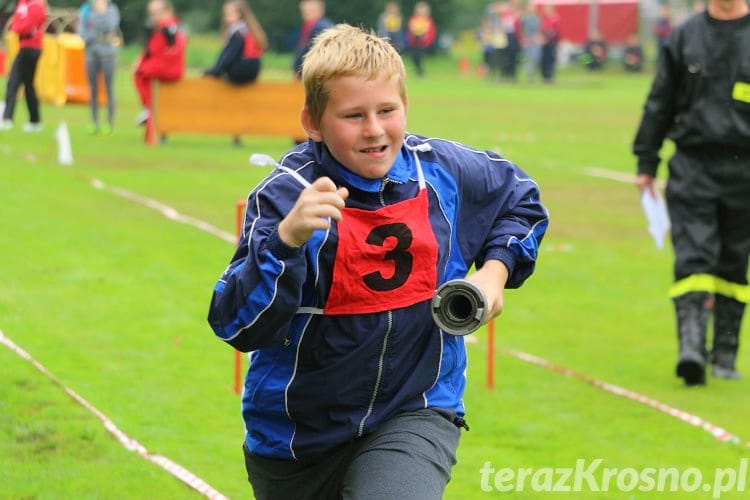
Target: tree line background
[[281, 19]]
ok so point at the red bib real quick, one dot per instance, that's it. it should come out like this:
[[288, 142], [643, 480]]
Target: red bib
[[252, 49], [386, 258]]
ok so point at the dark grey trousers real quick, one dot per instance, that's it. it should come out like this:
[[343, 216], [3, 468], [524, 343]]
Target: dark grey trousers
[[708, 195], [409, 456], [101, 59]]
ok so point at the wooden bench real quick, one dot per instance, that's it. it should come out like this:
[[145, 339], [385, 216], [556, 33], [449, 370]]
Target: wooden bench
[[213, 106]]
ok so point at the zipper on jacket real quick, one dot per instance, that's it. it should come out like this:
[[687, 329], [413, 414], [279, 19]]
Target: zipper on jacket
[[382, 191], [378, 379]]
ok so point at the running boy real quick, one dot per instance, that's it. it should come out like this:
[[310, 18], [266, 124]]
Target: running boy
[[352, 390]]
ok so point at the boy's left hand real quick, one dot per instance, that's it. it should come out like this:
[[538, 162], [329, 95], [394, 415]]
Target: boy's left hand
[[491, 279]]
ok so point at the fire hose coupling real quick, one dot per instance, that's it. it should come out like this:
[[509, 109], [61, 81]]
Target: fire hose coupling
[[459, 307]]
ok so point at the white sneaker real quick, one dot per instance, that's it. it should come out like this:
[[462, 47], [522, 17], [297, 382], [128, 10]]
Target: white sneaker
[[33, 127], [143, 117], [6, 125]]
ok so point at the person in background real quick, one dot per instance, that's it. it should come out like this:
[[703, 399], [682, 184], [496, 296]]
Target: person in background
[[164, 56], [98, 25], [484, 37], [595, 52], [662, 26], [511, 25], [28, 23], [531, 40], [313, 23], [391, 25], [496, 40], [420, 34], [550, 39], [700, 99], [632, 59], [245, 42]]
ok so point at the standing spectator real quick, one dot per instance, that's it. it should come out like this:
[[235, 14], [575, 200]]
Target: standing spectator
[[28, 23], [700, 99], [484, 36], [662, 26], [632, 59], [510, 22], [164, 56], [245, 42], [99, 23], [550, 37], [595, 52], [313, 23], [498, 40], [421, 33], [531, 39], [391, 25]]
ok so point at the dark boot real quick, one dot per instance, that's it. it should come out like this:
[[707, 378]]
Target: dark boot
[[727, 321], [692, 320]]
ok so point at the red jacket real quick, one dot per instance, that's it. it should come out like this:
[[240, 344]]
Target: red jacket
[[28, 23], [164, 56]]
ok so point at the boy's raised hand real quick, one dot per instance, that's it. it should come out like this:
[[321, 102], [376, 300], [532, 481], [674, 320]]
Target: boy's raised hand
[[314, 209]]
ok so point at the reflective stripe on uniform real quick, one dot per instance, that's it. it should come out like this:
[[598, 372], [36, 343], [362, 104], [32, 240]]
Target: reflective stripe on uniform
[[711, 284]]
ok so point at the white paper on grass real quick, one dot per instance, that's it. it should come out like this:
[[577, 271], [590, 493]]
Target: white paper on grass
[[656, 215]]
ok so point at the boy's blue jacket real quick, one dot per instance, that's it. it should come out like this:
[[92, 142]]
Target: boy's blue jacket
[[316, 382]]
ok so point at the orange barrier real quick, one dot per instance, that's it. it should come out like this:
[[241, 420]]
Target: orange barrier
[[61, 74]]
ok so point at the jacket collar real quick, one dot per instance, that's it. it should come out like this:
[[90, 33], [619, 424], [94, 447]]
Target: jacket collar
[[402, 169]]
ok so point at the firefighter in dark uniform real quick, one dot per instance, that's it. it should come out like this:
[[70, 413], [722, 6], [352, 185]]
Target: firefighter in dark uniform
[[700, 99]]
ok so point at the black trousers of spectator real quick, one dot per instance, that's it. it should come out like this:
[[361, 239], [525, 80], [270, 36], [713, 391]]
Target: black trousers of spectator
[[417, 54], [549, 54], [708, 194], [509, 68], [22, 72]]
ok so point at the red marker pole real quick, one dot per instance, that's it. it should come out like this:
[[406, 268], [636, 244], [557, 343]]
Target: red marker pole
[[491, 354], [237, 354]]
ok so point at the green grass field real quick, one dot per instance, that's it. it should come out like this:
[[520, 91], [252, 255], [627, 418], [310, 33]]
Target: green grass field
[[111, 297]]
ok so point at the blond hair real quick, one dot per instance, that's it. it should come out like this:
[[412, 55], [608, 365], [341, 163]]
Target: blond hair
[[345, 50], [247, 15]]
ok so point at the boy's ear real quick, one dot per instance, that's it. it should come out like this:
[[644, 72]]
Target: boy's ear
[[310, 125]]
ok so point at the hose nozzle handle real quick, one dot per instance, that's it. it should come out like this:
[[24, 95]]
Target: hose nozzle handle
[[459, 307]]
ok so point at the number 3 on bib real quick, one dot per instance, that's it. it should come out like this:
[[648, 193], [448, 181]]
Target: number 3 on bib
[[403, 261], [385, 259]]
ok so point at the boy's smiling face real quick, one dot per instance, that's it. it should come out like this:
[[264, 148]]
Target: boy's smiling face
[[363, 124]]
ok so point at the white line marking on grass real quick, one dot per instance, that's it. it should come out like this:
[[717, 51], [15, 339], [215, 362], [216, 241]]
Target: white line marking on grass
[[614, 175], [717, 432], [170, 213], [129, 443]]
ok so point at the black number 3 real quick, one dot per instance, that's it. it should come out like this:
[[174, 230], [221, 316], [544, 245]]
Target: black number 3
[[402, 259]]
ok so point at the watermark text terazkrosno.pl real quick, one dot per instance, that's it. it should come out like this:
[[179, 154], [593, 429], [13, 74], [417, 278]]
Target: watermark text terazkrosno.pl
[[593, 476]]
